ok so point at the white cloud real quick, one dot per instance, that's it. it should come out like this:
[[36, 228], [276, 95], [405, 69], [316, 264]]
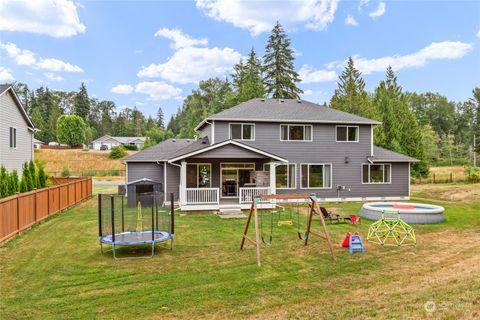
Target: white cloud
[[5, 75], [379, 11], [362, 4], [122, 89], [52, 76], [56, 18], [307, 92], [309, 75], [434, 51], [478, 33], [350, 21], [190, 65], [23, 57], [157, 90], [261, 16], [52, 64], [180, 39]]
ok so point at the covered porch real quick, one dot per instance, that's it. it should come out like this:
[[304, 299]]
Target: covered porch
[[224, 176]]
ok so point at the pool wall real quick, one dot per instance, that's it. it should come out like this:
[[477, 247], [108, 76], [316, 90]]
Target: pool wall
[[423, 213]]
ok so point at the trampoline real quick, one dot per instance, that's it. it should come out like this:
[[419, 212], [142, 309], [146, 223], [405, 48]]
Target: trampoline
[[146, 221]]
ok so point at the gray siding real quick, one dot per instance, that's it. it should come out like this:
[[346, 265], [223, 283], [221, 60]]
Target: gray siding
[[149, 170], [206, 132], [325, 149], [173, 181], [229, 151], [11, 116]]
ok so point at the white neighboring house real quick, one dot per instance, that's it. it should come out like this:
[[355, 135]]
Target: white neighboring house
[[37, 143], [110, 142], [16, 131]]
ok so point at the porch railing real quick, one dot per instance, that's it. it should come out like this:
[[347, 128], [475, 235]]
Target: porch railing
[[246, 194], [203, 196]]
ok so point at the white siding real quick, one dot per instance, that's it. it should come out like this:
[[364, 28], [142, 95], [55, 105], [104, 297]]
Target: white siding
[[11, 116]]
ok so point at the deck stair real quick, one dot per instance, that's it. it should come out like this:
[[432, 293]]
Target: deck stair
[[230, 212]]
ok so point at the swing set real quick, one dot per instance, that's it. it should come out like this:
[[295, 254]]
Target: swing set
[[304, 236]]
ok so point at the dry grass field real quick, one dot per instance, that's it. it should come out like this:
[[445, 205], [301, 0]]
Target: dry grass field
[[81, 163]]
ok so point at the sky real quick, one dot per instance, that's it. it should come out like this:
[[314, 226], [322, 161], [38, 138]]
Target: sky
[[152, 54]]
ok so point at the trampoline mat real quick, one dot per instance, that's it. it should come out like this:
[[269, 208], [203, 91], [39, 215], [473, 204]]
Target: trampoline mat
[[133, 237]]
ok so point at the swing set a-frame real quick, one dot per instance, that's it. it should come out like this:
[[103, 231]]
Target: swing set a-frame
[[314, 208]]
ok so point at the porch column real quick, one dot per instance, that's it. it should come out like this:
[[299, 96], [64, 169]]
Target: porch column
[[183, 183], [272, 178]]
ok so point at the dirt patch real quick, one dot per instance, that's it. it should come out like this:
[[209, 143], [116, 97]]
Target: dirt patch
[[448, 192]]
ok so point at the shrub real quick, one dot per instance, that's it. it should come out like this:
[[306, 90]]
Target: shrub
[[4, 182], [473, 174], [42, 177], [131, 147], [33, 174], [27, 178], [14, 184], [65, 172], [117, 152]]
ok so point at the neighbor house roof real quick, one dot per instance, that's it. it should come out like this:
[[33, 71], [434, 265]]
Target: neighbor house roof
[[37, 141], [166, 149], [286, 110], [123, 140], [6, 87], [384, 155]]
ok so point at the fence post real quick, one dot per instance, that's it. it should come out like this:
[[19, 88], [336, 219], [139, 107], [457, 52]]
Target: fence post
[[434, 178], [451, 177], [35, 204], [18, 212]]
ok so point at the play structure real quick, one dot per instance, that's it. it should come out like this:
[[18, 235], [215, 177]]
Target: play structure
[[353, 242], [411, 212], [305, 235], [391, 231], [148, 222]]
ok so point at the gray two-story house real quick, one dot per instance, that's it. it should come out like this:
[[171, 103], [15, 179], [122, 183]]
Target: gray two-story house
[[16, 131], [268, 146]]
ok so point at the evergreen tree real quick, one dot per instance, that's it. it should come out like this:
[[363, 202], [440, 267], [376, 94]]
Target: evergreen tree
[[247, 79], [160, 118], [33, 175], [14, 181], [350, 96], [279, 75], [81, 103], [4, 182], [26, 178]]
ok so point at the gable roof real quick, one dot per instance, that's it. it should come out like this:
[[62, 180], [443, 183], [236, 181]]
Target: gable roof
[[385, 155], [182, 154], [166, 149], [124, 140], [8, 88], [286, 110]]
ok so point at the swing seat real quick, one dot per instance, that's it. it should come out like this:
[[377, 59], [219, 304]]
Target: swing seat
[[285, 223]]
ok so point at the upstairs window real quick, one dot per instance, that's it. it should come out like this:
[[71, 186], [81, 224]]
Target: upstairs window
[[13, 137], [376, 173], [347, 133], [295, 132], [242, 131]]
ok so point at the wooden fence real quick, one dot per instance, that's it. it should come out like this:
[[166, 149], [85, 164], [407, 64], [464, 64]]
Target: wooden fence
[[23, 210]]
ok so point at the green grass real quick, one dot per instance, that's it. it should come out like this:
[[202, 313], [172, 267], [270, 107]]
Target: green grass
[[56, 271]]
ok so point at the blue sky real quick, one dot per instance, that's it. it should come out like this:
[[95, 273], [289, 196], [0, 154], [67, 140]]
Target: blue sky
[[153, 53]]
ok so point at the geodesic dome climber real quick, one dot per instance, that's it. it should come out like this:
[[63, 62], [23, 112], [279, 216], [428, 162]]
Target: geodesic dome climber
[[391, 231]]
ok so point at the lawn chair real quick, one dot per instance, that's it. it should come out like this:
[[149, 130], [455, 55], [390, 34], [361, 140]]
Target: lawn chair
[[355, 220], [330, 216]]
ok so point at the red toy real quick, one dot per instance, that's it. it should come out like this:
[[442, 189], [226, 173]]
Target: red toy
[[346, 242], [355, 220]]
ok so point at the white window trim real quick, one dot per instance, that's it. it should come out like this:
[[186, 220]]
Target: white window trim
[[241, 130], [288, 175], [297, 125], [375, 164], [343, 126], [10, 131], [308, 176], [198, 164]]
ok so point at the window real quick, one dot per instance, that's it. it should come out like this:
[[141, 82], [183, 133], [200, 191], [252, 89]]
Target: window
[[347, 133], [285, 175], [295, 132], [376, 173], [199, 175], [242, 131], [13, 137], [316, 176]]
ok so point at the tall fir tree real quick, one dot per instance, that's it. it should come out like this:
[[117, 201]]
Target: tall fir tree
[[280, 78], [350, 96], [247, 79], [81, 103], [160, 118]]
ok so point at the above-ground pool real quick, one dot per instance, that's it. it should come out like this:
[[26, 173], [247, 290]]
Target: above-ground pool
[[409, 212]]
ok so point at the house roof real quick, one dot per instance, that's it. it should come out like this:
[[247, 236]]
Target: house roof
[[37, 141], [286, 110], [166, 149], [124, 140], [182, 154], [384, 155], [6, 87]]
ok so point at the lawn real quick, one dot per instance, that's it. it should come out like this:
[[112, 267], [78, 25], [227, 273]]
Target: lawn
[[56, 271]]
